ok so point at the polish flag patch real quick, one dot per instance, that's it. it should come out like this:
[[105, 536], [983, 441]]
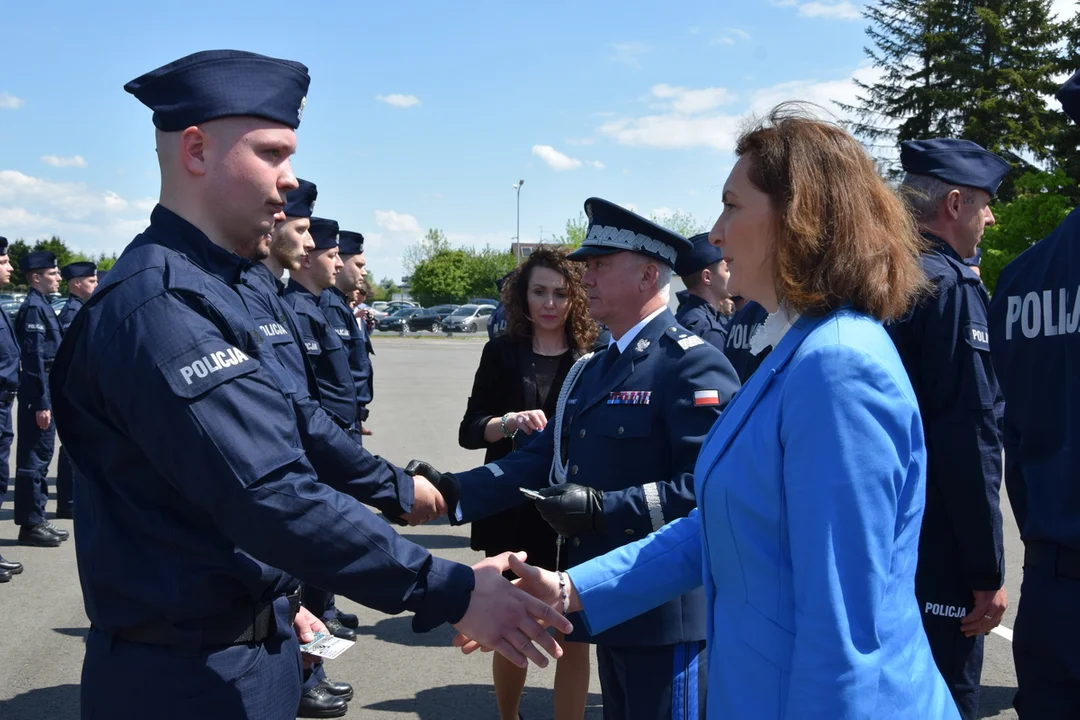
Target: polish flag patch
[[706, 397]]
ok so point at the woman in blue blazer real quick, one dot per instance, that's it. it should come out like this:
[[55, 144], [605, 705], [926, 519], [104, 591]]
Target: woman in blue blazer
[[811, 485]]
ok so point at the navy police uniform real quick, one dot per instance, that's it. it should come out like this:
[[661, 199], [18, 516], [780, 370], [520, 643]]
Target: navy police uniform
[[744, 323], [197, 502], [64, 472], [38, 333], [1035, 340], [9, 386], [358, 348], [944, 344], [629, 424], [497, 323], [695, 313]]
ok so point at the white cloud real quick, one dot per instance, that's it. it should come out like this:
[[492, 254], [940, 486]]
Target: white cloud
[[629, 53], [399, 101], [10, 102], [686, 101], [63, 162], [394, 221], [829, 10], [731, 36], [691, 120], [1061, 8], [85, 217], [555, 159]]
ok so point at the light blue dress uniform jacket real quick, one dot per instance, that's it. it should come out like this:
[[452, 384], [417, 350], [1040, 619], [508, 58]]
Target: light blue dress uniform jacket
[[810, 495]]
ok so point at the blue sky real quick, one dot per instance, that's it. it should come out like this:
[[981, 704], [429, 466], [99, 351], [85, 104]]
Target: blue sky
[[421, 114]]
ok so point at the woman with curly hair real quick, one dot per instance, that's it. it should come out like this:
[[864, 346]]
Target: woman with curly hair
[[513, 395]]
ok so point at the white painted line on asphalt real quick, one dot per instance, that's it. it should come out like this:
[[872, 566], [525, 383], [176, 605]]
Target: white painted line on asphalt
[[1003, 632]]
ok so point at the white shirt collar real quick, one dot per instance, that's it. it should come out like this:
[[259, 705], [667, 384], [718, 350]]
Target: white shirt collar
[[628, 337], [772, 331]]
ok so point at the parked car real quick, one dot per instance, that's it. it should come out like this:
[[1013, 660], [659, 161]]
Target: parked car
[[425, 320], [468, 318], [11, 307], [6, 297], [393, 307], [445, 310], [483, 301], [395, 321]]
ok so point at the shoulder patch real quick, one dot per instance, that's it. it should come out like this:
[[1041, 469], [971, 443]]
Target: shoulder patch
[[204, 366], [690, 341], [977, 336], [34, 325]]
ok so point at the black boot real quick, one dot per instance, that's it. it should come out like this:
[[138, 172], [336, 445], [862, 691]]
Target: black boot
[[319, 703], [348, 620], [10, 567], [62, 534], [38, 536], [335, 628], [342, 690]]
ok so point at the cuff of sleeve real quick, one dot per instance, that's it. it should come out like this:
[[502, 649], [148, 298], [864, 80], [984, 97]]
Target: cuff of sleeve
[[406, 491], [442, 595], [583, 583]]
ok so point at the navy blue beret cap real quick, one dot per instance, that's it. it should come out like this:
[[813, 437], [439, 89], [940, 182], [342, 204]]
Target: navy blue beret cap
[[614, 229], [3, 245], [703, 254], [350, 243], [78, 270], [40, 260], [222, 83], [300, 203], [1069, 97], [957, 162], [324, 232]]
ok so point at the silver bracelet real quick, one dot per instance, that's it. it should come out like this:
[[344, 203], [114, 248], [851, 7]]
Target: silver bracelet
[[562, 591], [502, 424]]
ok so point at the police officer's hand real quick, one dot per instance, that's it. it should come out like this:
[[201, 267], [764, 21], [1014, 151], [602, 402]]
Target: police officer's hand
[[44, 419], [306, 625], [986, 615], [447, 485], [527, 421], [508, 620], [428, 502], [572, 509]]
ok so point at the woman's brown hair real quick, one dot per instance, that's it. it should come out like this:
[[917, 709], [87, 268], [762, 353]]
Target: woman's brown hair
[[581, 329], [842, 235]]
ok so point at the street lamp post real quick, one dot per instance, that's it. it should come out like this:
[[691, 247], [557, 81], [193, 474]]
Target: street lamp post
[[517, 236]]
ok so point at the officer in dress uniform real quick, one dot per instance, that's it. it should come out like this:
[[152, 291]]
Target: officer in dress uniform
[[9, 386], [705, 275], [331, 450], [744, 323], [38, 333], [619, 456], [196, 499], [1035, 341], [944, 344], [329, 360], [336, 308], [81, 278]]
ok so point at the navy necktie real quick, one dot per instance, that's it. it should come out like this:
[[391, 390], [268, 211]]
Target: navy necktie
[[610, 358]]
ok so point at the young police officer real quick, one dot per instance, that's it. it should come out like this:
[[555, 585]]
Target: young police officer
[[197, 500]]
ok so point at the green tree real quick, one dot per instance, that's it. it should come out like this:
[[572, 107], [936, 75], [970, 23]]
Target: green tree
[[574, 234], [680, 222], [485, 267], [433, 243], [443, 278], [1042, 201]]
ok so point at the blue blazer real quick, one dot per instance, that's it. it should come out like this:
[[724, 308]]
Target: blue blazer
[[810, 494]]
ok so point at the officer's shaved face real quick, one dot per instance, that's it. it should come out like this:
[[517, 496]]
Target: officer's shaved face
[[321, 267], [292, 242], [351, 277], [5, 269], [242, 170], [83, 287], [46, 281], [615, 284]]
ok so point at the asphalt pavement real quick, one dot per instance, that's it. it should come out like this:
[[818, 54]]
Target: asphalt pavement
[[421, 386]]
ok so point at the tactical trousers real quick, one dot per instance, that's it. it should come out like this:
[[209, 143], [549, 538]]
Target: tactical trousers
[[33, 453]]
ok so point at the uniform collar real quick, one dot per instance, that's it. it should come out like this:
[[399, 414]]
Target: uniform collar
[[691, 300], [943, 247], [626, 339], [174, 232], [34, 291], [297, 287]]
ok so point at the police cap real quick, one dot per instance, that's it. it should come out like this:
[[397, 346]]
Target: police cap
[[614, 229], [324, 232], [300, 203], [702, 255], [222, 83], [1069, 97], [40, 260], [957, 162], [350, 243], [3, 245], [78, 270]]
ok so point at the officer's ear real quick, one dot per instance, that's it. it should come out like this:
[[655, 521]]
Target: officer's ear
[[706, 277], [649, 274], [954, 203], [192, 147]]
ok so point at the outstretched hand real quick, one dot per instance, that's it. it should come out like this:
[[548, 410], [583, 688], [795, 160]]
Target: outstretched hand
[[507, 619], [428, 502]]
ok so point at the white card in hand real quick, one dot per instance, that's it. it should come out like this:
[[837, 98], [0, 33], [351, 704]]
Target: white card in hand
[[326, 646]]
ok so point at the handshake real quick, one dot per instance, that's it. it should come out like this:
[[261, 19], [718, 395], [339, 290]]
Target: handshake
[[570, 509]]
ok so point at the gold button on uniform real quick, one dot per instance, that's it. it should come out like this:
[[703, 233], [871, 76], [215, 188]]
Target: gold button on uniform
[[573, 470], [629, 531]]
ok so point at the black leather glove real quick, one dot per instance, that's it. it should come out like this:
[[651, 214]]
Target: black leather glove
[[572, 509], [447, 485]]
